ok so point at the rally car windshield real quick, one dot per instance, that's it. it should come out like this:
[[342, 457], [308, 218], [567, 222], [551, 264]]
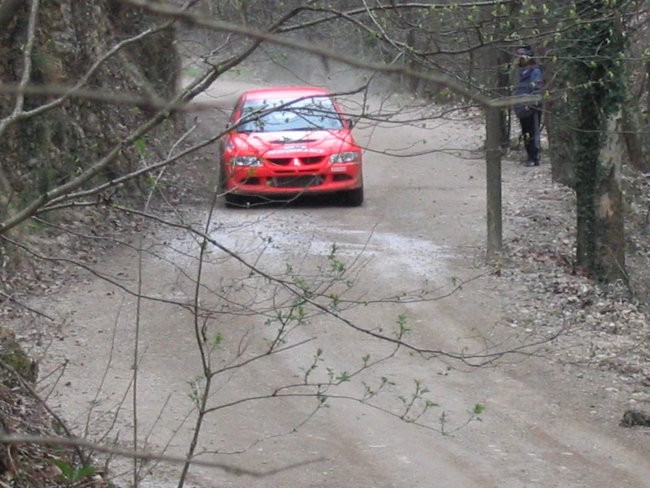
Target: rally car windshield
[[313, 113]]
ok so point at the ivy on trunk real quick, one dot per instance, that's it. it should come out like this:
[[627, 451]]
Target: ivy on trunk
[[596, 75]]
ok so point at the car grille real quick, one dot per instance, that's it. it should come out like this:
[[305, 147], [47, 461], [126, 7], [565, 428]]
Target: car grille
[[296, 181], [302, 161]]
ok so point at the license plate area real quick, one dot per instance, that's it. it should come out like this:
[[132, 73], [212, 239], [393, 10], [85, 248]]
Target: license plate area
[[296, 181]]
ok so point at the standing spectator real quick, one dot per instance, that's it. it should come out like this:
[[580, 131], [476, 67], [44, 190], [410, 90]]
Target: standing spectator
[[531, 82]]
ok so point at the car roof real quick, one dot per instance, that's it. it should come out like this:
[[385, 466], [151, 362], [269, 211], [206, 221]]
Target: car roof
[[283, 92]]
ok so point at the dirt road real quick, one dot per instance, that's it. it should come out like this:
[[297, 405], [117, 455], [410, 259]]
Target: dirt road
[[420, 233]]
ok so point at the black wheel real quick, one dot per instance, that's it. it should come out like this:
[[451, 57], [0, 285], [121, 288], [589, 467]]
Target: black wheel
[[353, 198], [222, 178], [234, 200]]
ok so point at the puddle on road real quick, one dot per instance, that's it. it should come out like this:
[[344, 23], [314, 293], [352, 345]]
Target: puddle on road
[[300, 235], [419, 257]]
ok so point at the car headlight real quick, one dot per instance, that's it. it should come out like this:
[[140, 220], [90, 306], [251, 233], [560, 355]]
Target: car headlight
[[346, 157], [245, 161]]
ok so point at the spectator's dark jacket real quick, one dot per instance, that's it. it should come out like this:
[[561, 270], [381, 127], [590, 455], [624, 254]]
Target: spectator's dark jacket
[[530, 82]]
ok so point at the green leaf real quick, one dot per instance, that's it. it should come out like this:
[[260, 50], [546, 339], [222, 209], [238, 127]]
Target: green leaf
[[73, 473], [66, 470]]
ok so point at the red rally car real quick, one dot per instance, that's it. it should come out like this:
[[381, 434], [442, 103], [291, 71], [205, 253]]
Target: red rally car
[[288, 141]]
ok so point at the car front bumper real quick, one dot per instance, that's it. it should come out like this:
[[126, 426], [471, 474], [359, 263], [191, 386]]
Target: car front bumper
[[269, 181]]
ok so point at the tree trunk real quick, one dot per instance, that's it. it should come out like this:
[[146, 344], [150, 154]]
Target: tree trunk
[[411, 62], [493, 177], [559, 119], [561, 142], [599, 149], [586, 154], [503, 89], [608, 202], [647, 84], [8, 10], [637, 145]]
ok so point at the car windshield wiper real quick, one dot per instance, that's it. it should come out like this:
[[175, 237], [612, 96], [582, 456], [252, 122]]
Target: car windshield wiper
[[248, 127], [311, 127]]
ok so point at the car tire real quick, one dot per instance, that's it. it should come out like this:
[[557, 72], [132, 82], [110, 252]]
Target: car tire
[[222, 180], [354, 198], [232, 200], [235, 201]]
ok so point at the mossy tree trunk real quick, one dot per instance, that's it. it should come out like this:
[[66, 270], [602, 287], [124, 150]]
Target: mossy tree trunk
[[560, 121], [41, 150], [597, 73]]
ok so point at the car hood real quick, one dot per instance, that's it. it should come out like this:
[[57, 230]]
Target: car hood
[[314, 142]]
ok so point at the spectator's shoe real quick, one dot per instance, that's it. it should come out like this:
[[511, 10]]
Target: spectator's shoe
[[529, 163]]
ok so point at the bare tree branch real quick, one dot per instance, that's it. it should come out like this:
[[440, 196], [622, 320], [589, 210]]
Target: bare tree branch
[[146, 455]]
